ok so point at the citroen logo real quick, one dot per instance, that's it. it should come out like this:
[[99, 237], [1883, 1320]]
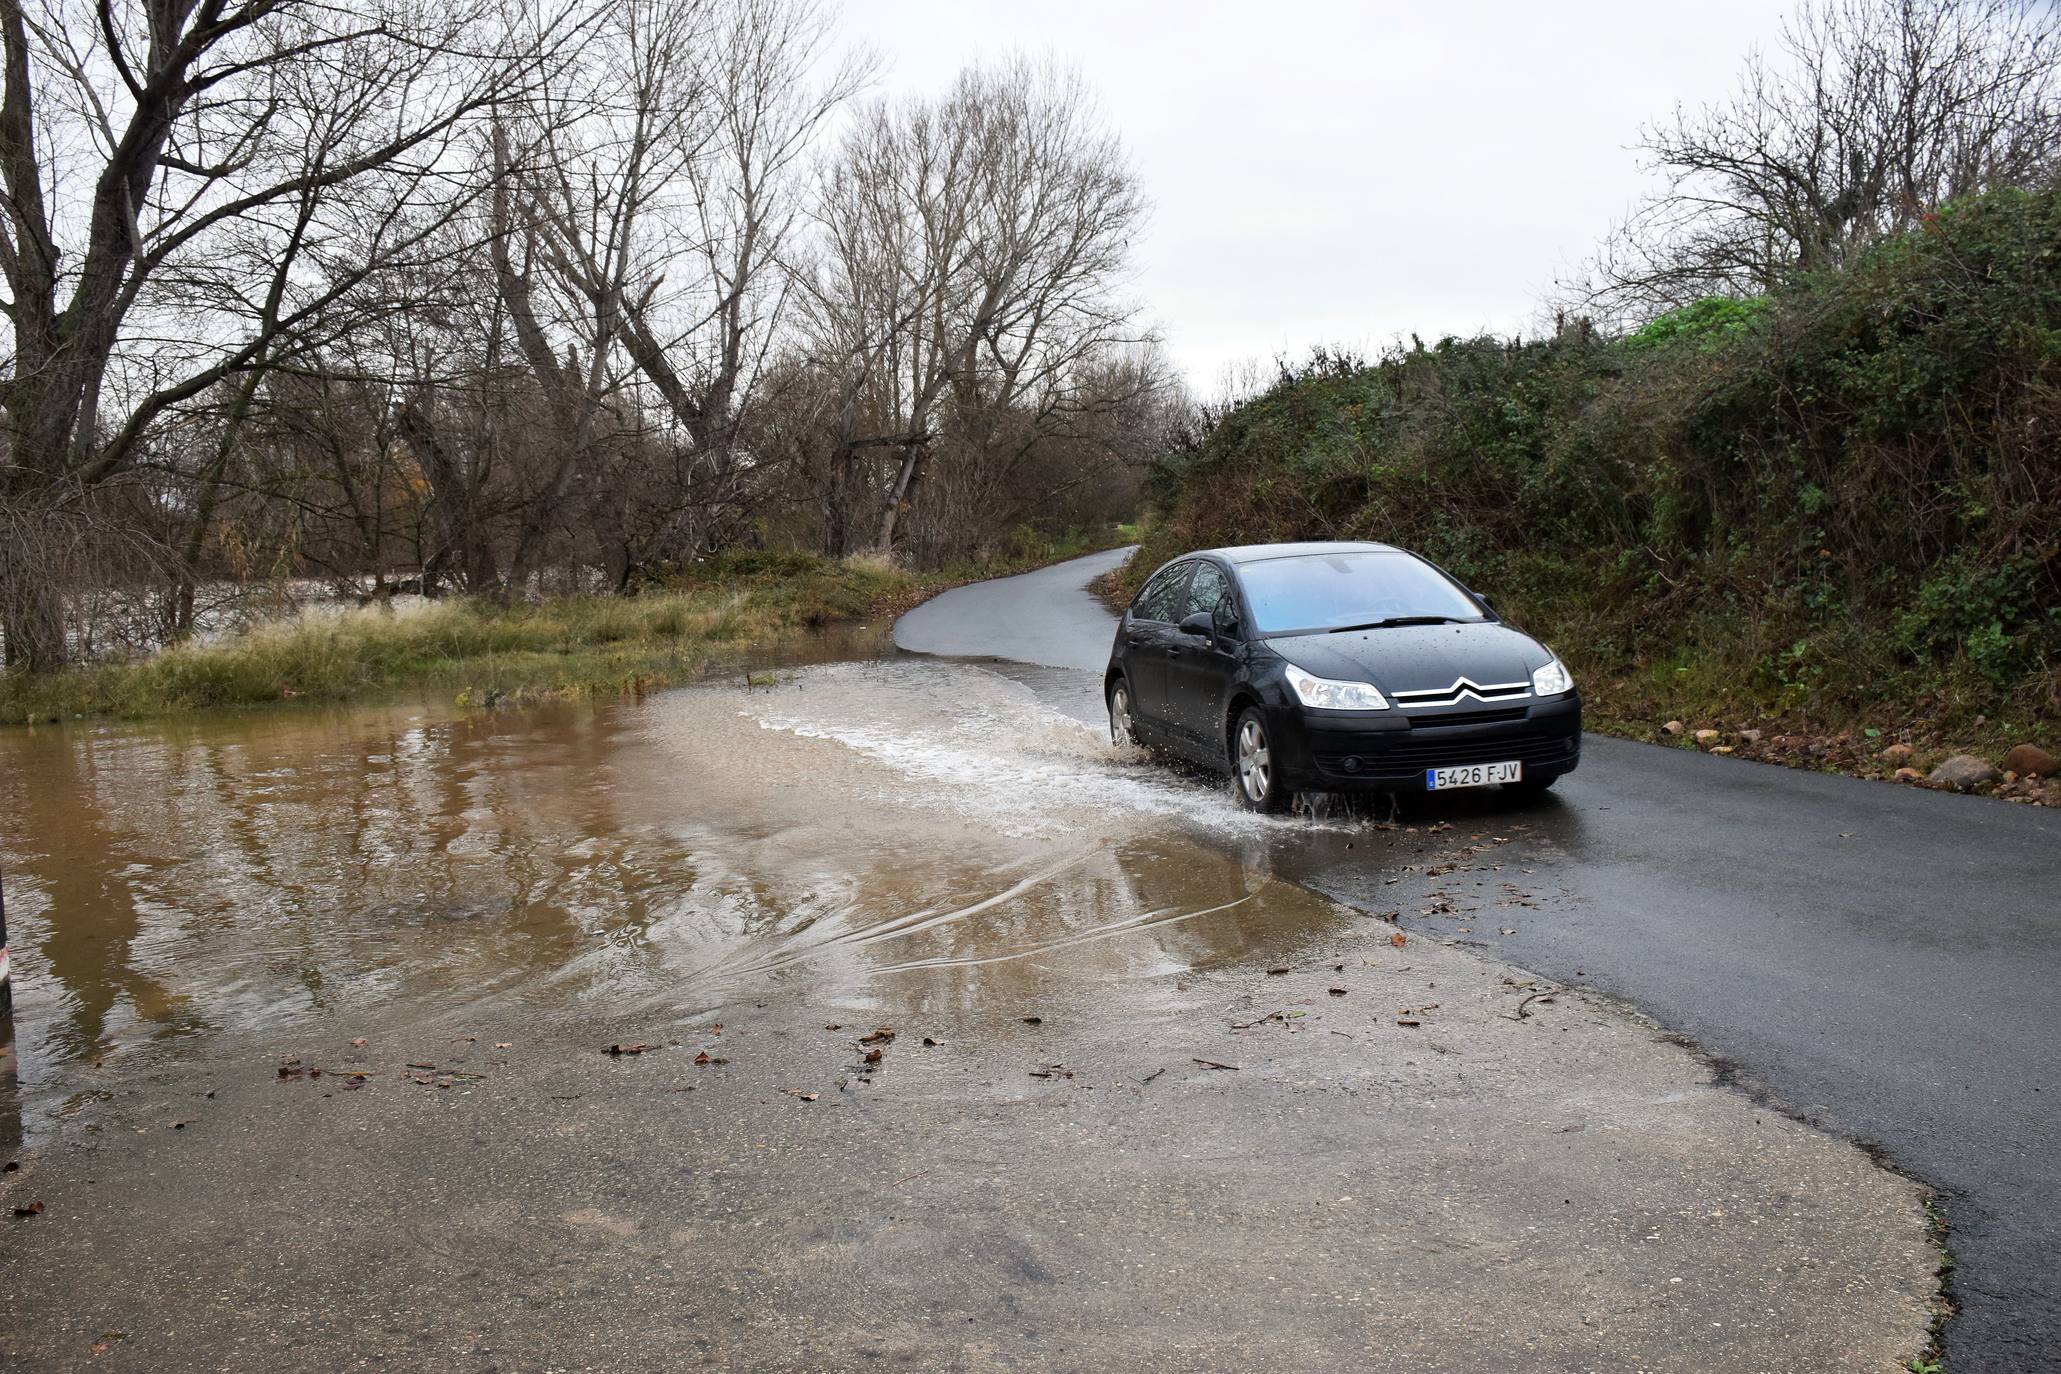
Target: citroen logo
[[1462, 688]]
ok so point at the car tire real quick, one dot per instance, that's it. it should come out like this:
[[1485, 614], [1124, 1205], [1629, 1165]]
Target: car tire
[[1254, 775], [1123, 727]]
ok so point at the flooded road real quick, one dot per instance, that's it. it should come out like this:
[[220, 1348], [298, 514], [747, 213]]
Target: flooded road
[[857, 1013], [910, 831]]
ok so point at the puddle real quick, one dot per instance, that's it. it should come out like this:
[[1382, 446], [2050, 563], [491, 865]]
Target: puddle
[[914, 834]]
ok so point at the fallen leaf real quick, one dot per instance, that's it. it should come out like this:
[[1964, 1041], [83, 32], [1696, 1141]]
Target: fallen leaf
[[880, 1036], [1336, 992], [706, 1058], [359, 1043], [1276, 972], [635, 1047], [33, 1209], [833, 1026], [181, 1125], [1407, 1021], [1399, 939], [872, 1056], [931, 1042], [1033, 1020], [612, 1049], [504, 1044]]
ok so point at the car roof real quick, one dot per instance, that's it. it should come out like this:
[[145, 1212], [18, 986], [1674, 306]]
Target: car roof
[[1259, 553]]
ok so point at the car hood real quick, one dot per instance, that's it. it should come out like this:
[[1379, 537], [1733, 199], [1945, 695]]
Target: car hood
[[1418, 658]]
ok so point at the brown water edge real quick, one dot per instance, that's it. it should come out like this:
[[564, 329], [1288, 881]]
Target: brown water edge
[[907, 836]]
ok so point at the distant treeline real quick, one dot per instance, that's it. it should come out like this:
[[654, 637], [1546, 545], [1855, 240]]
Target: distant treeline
[[1840, 499]]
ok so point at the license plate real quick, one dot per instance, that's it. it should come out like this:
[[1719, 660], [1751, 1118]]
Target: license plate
[[1473, 775]]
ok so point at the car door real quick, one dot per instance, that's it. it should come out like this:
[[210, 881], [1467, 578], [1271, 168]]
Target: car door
[[1149, 636], [1199, 670]]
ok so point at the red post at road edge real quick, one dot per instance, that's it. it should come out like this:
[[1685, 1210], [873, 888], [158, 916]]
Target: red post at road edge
[[6, 969]]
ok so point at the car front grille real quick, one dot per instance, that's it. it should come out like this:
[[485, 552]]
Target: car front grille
[[1415, 755], [1470, 717]]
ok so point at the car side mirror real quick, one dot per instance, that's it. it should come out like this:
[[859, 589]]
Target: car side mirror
[[1202, 624], [1488, 605]]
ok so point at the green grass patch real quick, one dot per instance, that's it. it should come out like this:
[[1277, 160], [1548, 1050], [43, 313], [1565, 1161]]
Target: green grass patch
[[483, 654]]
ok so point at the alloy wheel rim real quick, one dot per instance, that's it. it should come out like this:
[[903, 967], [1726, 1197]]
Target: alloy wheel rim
[[1255, 760], [1120, 716]]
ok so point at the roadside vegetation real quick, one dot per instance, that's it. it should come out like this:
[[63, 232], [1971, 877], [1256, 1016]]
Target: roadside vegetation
[[474, 330], [1823, 521], [725, 612], [1784, 476]]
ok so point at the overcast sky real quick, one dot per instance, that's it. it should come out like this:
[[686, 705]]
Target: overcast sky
[[1331, 172]]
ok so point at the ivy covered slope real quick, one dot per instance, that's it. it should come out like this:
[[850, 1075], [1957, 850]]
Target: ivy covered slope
[[1830, 519]]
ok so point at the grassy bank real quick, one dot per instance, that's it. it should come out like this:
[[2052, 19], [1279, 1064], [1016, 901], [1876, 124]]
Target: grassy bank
[[1821, 523], [718, 613]]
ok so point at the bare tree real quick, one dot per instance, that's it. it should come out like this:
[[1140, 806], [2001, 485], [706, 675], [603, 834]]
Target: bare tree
[[1872, 114], [193, 189], [975, 251], [638, 245]]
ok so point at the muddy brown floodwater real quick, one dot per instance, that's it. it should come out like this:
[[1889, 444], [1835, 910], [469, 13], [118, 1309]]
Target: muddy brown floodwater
[[912, 831]]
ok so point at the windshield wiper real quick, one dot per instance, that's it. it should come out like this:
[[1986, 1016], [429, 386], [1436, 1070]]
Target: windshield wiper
[[1396, 620]]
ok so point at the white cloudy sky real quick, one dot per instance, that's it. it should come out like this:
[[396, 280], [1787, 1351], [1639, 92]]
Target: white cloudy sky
[[1334, 172]]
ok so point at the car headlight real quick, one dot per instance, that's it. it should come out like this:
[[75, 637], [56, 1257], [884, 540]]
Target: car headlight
[[1327, 695], [1552, 680]]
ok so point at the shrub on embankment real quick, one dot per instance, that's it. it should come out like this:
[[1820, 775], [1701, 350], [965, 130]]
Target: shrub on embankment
[[1838, 508]]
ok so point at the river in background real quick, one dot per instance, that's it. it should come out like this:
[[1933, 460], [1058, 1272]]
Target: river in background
[[907, 834]]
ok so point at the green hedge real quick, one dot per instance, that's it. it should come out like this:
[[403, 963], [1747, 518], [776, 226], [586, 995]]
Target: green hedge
[[1842, 500]]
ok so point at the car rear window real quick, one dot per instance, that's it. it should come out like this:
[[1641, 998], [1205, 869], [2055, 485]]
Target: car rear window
[[1328, 591], [1161, 594]]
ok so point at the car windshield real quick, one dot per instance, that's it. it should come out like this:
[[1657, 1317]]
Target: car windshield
[[1341, 591]]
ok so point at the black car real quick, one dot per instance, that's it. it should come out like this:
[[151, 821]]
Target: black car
[[1337, 667]]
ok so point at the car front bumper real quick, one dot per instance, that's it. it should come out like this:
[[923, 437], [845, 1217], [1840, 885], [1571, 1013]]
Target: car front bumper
[[1393, 750]]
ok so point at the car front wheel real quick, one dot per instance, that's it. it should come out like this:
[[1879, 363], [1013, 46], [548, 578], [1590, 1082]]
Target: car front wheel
[[1252, 764], [1122, 733]]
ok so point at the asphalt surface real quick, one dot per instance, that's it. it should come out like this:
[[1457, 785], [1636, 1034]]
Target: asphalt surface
[[1226, 1168], [1878, 960], [1046, 618]]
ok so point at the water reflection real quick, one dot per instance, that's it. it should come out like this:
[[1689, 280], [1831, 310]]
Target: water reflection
[[928, 830]]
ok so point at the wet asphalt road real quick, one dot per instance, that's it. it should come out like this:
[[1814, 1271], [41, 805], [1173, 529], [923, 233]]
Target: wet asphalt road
[[1880, 960]]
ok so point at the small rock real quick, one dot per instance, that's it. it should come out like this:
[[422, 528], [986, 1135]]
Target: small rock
[[1909, 775], [1749, 736], [2031, 761], [1721, 749], [1964, 770], [1707, 737], [1674, 727], [1898, 754]]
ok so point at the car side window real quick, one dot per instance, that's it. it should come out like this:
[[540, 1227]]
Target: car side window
[[1162, 594], [1210, 591]]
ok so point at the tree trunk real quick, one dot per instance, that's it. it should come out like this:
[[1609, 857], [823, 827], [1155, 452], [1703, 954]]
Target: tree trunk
[[897, 500], [31, 606]]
